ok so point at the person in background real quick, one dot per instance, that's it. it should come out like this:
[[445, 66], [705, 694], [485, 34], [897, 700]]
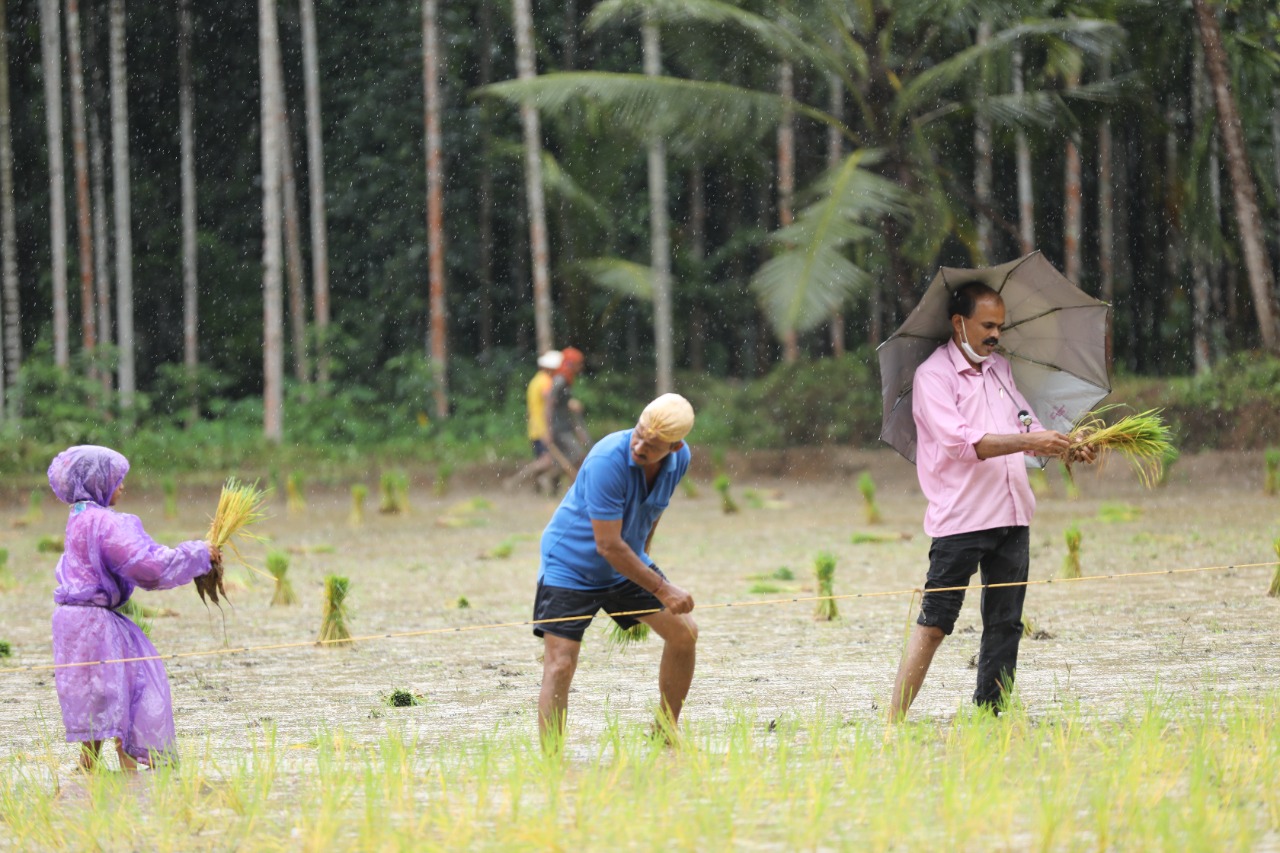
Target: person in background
[[568, 440], [537, 395]]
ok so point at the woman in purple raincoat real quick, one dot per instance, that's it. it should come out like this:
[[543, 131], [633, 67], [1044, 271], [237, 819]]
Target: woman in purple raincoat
[[107, 555]]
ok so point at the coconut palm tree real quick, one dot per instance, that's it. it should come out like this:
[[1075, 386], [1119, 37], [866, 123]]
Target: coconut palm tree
[[9, 330], [272, 258], [437, 344], [51, 66]]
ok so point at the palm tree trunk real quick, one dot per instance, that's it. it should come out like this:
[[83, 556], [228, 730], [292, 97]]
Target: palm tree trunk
[[1201, 290], [1106, 209], [1248, 218], [698, 252], [982, 162], [1073, 211], [190, 279], [51, 65], [437, 343], [80, 163], [272, 314], [1022, 159], [787, 179], [123, 213], [526, 70], [484, 223], [10, 331], [98, 187], [835, 153], [315, 190], [659, 228], [292, 241]]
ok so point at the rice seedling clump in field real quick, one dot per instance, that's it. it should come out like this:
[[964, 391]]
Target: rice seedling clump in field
[[333, 625], [394, 493], [278, 566], [240, 506], [49, 545], [824, 569], [401, 698], [6, 650], [1274, 591], [462, 603], [727, 504], [444, 473], [359, 494], [7, 580], [1071, 563], [294, 500], [1144, 439], [620, 638], [867, 486], [1271, 464]]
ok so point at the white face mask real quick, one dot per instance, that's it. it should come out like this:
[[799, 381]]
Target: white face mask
[[968, 350]]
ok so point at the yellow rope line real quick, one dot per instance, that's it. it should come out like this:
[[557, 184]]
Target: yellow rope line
[[763, 603]]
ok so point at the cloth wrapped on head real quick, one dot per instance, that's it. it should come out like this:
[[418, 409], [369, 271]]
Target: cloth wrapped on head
[[87, 472], [668, 418], [550, 360]]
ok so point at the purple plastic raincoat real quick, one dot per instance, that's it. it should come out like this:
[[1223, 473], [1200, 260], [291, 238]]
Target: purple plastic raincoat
[[108, 554]]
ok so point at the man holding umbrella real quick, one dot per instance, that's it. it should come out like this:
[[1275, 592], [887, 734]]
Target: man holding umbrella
[[974, 430]]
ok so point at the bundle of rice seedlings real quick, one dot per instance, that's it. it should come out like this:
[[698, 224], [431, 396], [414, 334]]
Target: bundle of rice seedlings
[[1033, 632], [170, 486], [444, 473], [50, 545], [1071, 564], [782, 573], [863, 537], [1113, 511], [1171, 455], [824, 568], [619, 637], [5, 649], [764, 588], [1271, 461], [753, 499], [278, 566], [394, 488], [690, 488], [359, 494], [1274, 591], [462, 603], [137, 615], [867, 486], [726, 500], [333, 625], [1144, 439], [294, 501], [401, 698], [502, 550], [1073, 491], [240, 506], [7, 580]]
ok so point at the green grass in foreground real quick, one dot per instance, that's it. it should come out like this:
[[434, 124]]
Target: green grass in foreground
[[1170, 774]]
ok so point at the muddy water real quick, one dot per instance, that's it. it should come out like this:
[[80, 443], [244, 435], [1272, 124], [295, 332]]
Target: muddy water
[[1107, 640]]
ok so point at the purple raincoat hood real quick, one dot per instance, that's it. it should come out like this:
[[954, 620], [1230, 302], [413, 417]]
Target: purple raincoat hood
[[87, 472]]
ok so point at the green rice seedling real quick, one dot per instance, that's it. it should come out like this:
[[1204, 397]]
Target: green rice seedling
[[333, 627], [49, 544], [359, 494], [462, 603], [753, 499], [727, 504], [137, 614], [1271, 465], [294, 500], [170, 486], [867, 486], [1171, 455], [824, 569], [278, 566], [502, 550], [620, 638], [1144, 439], [1031, 630], [6, 650], [1039, 482], [1274, 591], [240, 506], [690, 488], [444, 473], [869, 537], [394, 490], [764, 588], [783, 573], [7, 580], [1111, 511], [401, 698], [1071, 563]]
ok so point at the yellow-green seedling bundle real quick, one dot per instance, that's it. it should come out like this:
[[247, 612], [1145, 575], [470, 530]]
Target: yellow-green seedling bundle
[[727, 503], [1274, 591], [294, 500], [240, 506], [359, 494], [49, 545], [824, 569], [333, 625], [444, 473], [1071, 563], [394, 487], [1271, 464], [7, 580], [1143, 439], [867, 486], [278, 566], [619, 637]]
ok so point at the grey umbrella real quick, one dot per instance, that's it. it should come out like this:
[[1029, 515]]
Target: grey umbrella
[[1055, 337]]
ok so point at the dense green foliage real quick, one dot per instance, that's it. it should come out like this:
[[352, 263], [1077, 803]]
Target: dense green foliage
[[921, 129]]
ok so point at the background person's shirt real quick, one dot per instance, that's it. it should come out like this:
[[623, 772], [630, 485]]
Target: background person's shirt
[[954, 405], [536, 401], [609, 487]]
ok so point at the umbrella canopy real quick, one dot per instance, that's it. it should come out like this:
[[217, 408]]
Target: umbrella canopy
[[1055, 337]]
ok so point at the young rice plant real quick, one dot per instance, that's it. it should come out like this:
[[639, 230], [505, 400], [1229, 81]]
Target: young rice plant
[[824, 569]]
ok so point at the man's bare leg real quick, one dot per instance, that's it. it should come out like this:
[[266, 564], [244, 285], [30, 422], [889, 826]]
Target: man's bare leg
[[559, 663], [679, 654], [924, 642]]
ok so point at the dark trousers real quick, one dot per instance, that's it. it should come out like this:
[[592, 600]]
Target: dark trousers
[[1003, 555]]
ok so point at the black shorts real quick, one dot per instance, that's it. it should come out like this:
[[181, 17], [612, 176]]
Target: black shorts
[[554, 602]]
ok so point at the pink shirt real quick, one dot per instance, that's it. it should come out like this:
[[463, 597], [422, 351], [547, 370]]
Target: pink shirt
[[954, 406]]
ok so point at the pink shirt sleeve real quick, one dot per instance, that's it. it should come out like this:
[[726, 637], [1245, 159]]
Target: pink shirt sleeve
[[934, 409]]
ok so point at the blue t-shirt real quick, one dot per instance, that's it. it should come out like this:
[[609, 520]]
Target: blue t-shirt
[[609, 487]]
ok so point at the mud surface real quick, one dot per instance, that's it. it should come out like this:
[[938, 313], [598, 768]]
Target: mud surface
[[1103, 642]]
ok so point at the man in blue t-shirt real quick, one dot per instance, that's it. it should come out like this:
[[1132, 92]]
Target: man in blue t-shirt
[[594, 555]]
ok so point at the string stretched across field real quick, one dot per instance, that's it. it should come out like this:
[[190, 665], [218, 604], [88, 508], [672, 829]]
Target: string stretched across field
[[424, 632]]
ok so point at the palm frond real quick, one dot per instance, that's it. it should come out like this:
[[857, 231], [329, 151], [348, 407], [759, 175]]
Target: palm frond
[[769, 34], [557, 181], [625, 278]]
